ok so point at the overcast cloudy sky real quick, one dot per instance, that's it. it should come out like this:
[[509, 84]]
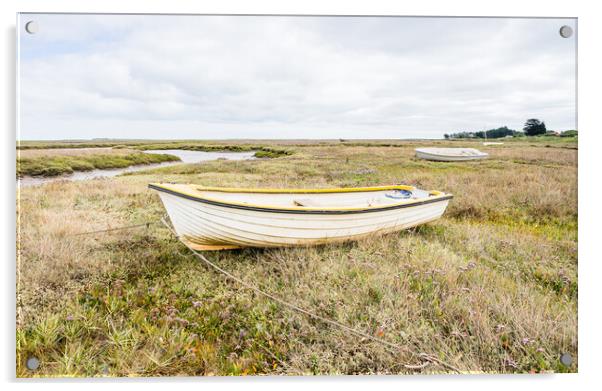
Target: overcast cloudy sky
[[217, 77]]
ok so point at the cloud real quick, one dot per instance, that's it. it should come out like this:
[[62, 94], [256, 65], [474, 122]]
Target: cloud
[[128, 76]]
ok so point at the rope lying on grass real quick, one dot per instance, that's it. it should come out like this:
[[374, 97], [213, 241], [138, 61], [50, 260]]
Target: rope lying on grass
[[426, 357], [147, 224]]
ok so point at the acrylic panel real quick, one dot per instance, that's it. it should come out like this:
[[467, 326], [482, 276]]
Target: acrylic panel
[[212, 195]]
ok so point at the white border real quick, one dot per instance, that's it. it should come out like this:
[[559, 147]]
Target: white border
[[590, 118]]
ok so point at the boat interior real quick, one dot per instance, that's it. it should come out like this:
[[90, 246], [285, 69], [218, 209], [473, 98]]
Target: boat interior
[[314, 198]]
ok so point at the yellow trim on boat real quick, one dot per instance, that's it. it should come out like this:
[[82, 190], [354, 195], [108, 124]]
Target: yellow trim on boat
[[435, 193], [300, 191]]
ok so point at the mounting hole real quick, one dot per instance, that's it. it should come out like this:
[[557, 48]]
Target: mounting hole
[[566, 359], [566, 31], [31, 27], [32, 363]]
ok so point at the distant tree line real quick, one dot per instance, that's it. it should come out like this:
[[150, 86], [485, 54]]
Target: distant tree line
[[491, 133], [532, 127]]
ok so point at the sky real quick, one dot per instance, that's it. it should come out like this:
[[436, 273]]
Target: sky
[[269, 77]]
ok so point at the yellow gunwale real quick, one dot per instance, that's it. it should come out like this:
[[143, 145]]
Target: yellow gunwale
[[435, 193], [302, 191]]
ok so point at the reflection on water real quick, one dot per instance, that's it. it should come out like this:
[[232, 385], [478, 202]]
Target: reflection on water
[[185, 156]]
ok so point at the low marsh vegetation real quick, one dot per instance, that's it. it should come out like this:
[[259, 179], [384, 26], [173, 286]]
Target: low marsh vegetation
[[58, 158], [262, 151], [56, 164], [490, 287]]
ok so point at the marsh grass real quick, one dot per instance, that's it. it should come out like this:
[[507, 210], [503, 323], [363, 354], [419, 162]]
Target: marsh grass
[[262, 151], [51, 163], [490, 287], [58, 158]]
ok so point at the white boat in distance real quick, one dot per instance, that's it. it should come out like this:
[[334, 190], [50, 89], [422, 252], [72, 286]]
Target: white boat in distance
[[450, 154], [212, 218]]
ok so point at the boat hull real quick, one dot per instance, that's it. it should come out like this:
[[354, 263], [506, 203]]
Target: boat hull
[[448, 158], [207, 226]]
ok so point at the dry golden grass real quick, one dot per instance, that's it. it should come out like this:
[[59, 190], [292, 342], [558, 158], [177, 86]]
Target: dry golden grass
[[490, 287]]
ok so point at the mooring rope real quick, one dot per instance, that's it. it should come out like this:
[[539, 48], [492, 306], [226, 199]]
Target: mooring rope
[[122, 228], [426, 357]]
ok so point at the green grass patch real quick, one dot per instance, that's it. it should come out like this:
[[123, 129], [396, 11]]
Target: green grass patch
[[262, 151], [272, 153], [59, 165]]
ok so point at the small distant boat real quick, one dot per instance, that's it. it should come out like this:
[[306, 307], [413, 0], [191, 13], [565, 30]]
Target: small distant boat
[[450, 154], [212, 218], [492, 143]]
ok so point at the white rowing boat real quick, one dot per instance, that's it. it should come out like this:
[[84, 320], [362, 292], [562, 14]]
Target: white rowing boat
[[450, 154], [492, 143], [209, 218]]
